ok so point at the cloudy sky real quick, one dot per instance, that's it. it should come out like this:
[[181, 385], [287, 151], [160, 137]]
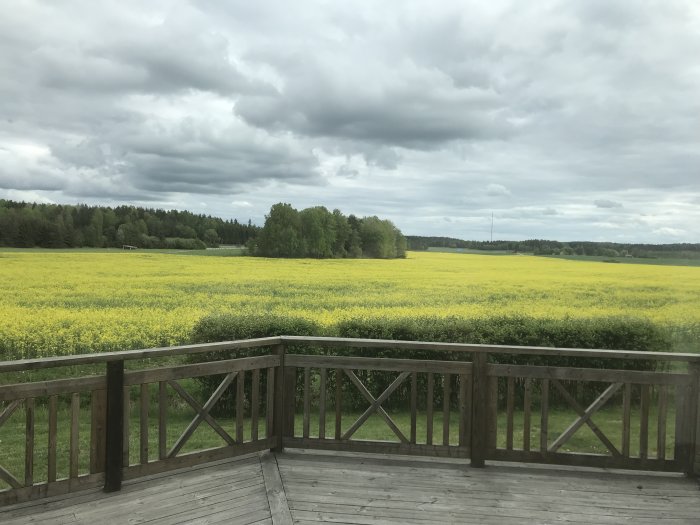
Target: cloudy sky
[[569, 120]]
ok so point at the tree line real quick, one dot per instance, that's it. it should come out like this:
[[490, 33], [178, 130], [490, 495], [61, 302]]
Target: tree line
[[28, 225], [319, 233], [547, 247]]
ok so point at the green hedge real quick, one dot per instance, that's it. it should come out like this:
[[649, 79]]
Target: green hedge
[[602, 333]]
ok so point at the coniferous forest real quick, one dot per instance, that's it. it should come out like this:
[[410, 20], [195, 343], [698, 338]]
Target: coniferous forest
[[29, 225]]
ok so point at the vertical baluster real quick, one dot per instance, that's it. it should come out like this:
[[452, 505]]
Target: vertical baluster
[[661, 428], [429, 410], [143, 419], [644, 423], [162, 419], [414, 408], [465, 404], [626, 410], [338, 402], [254, 402], [527, 411], [679, 401], [240, 395], [269, 403], [29, 450], [53, 429], [544, 416], [126, 460], [446, 409], [322, 405], [307, 400], [492, 414], [510, 402], [98, 431], [74, 437]]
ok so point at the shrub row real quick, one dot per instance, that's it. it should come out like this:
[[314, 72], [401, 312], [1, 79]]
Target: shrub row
[[603, 333]]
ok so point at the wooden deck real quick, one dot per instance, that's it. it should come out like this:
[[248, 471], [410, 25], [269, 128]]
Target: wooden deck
[[312, 487]]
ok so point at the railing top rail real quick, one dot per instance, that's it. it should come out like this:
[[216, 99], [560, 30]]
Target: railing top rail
[[130, 355], [343, 342], [348, 342]]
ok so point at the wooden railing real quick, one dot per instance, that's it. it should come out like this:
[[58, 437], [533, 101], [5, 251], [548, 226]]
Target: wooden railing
[[286, 398]]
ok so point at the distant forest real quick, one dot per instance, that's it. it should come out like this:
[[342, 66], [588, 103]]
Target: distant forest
[[29, 225], [313, 232], [544, 247]]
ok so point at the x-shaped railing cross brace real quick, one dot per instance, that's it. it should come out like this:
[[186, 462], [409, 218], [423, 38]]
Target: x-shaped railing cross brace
[[202, 413], [375, 405], [4, 416], [585, 417]]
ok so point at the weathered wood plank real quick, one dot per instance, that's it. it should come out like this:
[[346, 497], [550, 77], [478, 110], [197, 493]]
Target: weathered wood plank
[[254, 404], [144, 402], [492, 414], [74, 434], [9, 410], [270, 402], [150, 353], [378, 363], [384, 447], [586, 460], [527, 413], [173, 373], [126, 460], [53, 436], [588, 374], [240, 397], [544, 416], [307, 401], [510, 405], [192, 459], [644, 423], [479, 419], [98, 431], [322, 403], [276, 497], [429, 410], [50, 388], [29, 448], [465, 410], [626, 415], [447, 379], [162, 419], [8, 478], [414, 406], [338, 403], [346, 342], [661, 423], [288, 402]]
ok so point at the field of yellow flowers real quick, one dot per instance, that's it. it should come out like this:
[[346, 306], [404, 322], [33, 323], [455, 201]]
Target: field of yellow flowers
[[54, 303]]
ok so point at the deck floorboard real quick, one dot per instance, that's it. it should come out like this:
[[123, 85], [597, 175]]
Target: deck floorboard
[[357, 489]]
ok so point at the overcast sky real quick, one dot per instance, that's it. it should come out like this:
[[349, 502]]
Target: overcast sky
[[568, 120]]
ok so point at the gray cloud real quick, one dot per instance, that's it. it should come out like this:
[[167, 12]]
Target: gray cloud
[[605, 203], [412, 110]]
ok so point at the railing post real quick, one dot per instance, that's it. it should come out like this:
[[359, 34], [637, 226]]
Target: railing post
[[285, 379], [115, 422], [479, 409]]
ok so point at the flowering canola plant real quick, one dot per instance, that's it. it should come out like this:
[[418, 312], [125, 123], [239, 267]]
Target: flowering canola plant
[[54, 303]]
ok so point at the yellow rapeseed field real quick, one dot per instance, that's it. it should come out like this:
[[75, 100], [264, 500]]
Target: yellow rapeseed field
[[66, 302]]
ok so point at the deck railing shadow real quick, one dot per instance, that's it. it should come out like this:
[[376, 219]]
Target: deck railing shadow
[[469, 406]]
